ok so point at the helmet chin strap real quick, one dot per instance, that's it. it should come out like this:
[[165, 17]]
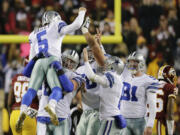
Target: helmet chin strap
[[170, 81]]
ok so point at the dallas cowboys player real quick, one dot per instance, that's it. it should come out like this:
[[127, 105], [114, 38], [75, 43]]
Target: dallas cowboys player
[[110, 92], [89, 123], [139, 89], [70, 60], [47, 40]]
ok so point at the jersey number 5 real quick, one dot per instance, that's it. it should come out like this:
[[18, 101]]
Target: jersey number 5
[[129, 92], [42, 43]]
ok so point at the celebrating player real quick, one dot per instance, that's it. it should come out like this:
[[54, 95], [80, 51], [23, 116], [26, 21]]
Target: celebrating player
[[47, 40], [139, 89], [70, 60], [110, 92], [89, 122]]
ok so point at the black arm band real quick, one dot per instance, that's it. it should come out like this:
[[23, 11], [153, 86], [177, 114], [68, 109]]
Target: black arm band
[[60, 72]]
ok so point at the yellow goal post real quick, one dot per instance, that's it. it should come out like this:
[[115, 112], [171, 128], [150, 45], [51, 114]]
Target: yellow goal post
[[74, 39]]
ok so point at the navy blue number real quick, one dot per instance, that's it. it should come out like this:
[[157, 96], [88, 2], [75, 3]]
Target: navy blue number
[[127, 90], [90, 84], [42, 43], [133, 93]]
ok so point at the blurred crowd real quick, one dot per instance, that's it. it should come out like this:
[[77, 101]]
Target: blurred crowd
[[150, 27]]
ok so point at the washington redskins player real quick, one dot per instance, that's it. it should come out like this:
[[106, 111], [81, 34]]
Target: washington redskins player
[[166, 96], [18, 89]]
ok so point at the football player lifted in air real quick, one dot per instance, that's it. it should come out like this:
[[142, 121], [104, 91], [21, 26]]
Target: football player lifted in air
[[46, 41]]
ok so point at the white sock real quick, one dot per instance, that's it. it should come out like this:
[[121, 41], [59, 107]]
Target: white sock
[[53, 103], [23, 108]]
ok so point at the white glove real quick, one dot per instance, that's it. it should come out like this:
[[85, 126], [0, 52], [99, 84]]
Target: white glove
[[31, 112], [85, 25]]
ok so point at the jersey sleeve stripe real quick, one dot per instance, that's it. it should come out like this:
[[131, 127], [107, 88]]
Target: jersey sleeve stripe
[[151, 87], [61, 25], [154, 84], [110, 79], [78, 80]]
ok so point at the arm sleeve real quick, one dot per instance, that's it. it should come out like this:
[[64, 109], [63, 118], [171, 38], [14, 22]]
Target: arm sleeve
[[66, 83], [94, 77], [151, 100], [73, 26], [28, 68], [32, 52]]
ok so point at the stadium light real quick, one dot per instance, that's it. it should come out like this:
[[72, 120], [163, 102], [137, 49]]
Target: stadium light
[[74, 39]]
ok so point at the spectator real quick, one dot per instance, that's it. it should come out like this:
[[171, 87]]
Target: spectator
[[154, 66], [141, 46], [177, 56]]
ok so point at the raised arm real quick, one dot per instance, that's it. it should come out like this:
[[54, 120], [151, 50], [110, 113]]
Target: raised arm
[[94, 45], [91, 75], [76, 24]]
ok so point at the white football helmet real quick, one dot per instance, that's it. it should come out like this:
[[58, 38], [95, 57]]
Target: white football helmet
[[135, 63], [112, 63], [50, 16], [70, 59]]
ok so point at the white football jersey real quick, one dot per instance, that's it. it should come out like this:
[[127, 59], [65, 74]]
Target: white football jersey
[[90, 98], [63, 106], [110, 96], [48, 39], [134, 97]]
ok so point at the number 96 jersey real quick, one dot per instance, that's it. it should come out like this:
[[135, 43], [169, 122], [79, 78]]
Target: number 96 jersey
[[19, 86]]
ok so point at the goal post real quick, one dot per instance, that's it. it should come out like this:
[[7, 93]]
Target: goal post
[[74, 39]]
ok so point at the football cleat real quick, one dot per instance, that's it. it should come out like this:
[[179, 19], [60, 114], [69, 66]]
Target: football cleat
[[51, 112]]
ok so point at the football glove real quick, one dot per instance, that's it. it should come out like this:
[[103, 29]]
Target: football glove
[[120, 121], [31, 112], [85, 25]]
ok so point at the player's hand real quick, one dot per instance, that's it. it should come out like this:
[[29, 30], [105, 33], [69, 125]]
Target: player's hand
[[56, 65], [98, 36], [82, 9], [31, 112], [85, 55], [176, 91], [148, 131], [85, 26]]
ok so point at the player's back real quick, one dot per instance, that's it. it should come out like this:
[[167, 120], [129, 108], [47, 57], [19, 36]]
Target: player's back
[[47, 39], [110, 97], [134, 95], [164, 91], [20, 85]]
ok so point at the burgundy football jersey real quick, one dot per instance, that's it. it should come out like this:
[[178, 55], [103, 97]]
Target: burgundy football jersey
[[164, 91], [20, 86]]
